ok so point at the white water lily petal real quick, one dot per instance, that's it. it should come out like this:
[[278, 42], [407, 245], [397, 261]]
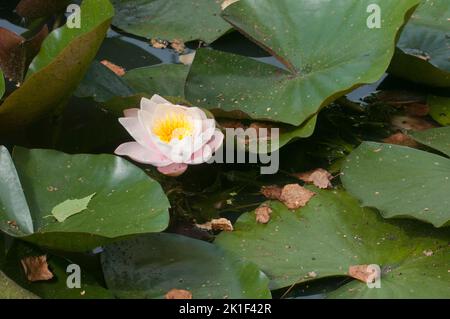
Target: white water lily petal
[[140, 154], [169, 136]]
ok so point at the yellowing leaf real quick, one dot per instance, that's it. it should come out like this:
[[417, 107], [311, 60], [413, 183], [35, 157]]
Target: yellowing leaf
[[71, 207]]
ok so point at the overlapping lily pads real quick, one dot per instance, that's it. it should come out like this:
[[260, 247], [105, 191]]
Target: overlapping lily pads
[[61, 64], [424, 45], [437, 138], [185, 20], [333, 233], [33, 182], [440, 109], [326, 47], [151, 266], [402, 181]]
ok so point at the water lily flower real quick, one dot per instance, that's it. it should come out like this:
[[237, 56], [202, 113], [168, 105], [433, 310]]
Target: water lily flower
[[169, 136]]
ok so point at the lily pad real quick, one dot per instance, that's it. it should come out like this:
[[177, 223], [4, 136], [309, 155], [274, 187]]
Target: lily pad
[[102, 84], [440, 109], [325, 46], [150, 266], [10, 290], [164, 79], [332, 233], [185, 20], [127, 201], [56, 288], [400, 181], [61, 64], [424, 44], [437, 138]]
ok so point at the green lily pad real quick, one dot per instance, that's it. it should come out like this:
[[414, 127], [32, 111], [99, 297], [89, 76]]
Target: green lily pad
[[55, 288], [10, 290], [165, 79], [61, 64], [184, 20], [437, 138], [325, 46], [440, 109], [330, 234], [127, 201], [102, 84], [400, 181], [423, 54], [150, 266]]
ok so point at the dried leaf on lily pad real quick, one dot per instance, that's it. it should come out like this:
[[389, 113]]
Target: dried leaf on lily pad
[[363, 273], [71, 207], [179, 294], [263, 214], [271, 192], [411, 123], [319, 177], [118, 70], [295, 196], [401, 139], [36, 268], [220, 224]]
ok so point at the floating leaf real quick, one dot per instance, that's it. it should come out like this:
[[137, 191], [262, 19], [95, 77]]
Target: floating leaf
[[185, 20], [440, 109], [423, 54], [400, 181], [71, 207], [127, 201], [325, 47], [91, 286], [332, 233], [10, 290], [437, 138], [150, 266], [58, 68], [36, 268]]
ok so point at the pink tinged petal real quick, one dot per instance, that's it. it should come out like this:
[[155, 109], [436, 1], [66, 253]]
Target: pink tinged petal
[[141, 154], [148, 105], [173, 170], [131, 112], [208, 150], [137, 131]]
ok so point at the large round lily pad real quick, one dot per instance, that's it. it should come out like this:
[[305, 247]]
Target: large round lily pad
[[185, 20], [400, 181], [331, 234], [54, 74], [125, 200], [424, 45], [439, 109], [436, 138], [326, 48], [152, 265]]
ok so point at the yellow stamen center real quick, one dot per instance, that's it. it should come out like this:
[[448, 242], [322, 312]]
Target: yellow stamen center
[[172, 126]]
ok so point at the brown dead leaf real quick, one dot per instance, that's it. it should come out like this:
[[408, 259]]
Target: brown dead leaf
[[159, 44], [179, 294], [36, 268], [263, 214], [178, 45], [319, 177], [232, 124], [360, 272], [411, 123], [12, 224], [118, 70], [295, 196], [417, 109], [401, 139], [271, 192], [220, 224]]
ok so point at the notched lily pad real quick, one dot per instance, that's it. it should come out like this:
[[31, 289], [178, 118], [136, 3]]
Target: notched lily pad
[[126, 202]]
